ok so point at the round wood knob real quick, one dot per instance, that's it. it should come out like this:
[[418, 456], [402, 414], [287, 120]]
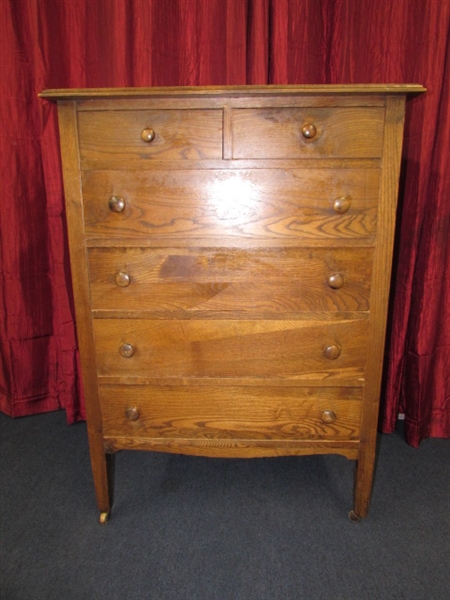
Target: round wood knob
[[335, 281], [132, 414], [309, 131], [342, 204], [328, 416], [126, 350], [116, 204], [123, 279], [332, 352], [148, 135]]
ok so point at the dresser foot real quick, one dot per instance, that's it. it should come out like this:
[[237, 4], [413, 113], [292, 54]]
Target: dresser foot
[[104, 518], [353, 517]]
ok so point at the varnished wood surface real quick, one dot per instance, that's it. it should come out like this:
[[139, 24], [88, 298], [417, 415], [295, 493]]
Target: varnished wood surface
[[230, 102], [284, 349], [210, 412], [224, 448], [168, 283], [102, 466], [332, 90], [179, 135], [262, 204], [237, 305], [277, 132], [381, 275], [269, 133]]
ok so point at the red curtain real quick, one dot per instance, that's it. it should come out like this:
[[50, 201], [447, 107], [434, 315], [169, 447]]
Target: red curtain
[[96, 43]]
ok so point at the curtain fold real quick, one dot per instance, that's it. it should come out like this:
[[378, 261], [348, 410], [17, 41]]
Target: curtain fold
[[109, 43]]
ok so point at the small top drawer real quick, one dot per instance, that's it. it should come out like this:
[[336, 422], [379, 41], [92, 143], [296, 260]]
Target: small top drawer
[[307, 133], [126, 139]]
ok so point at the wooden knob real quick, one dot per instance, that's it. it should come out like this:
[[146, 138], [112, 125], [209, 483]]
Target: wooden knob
[[126, 350], [332, 352], [335, 281], [123, 279], [116, 204], [309, 131], [328, 416], [342, 204], [132, 414], [148, 135]]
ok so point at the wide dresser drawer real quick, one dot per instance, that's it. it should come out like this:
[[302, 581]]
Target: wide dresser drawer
[[297, 349], [285, 204], [190, 282], [231, 412]]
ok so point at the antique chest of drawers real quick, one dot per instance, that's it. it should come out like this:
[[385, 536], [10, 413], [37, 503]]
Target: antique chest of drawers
[[231, 255]]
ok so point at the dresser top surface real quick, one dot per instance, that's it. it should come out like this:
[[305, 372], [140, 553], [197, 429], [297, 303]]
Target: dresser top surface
[[300, 90]]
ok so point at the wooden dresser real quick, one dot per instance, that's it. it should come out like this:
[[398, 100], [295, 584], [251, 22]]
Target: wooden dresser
[[231, 256]]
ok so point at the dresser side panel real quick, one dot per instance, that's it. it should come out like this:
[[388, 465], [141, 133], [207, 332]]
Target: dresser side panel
[[381, 276], [101, 466]]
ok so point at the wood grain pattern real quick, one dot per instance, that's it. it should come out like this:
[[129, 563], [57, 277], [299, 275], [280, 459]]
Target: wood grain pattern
[[263, 204], [277, 132], [332, 92], [236, 306], [225, 448], [381, 275], [201, 281], [109, 139], [102, 466], [229, 413], [281, 349]]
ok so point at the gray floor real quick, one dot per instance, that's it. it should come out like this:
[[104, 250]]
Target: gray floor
[[194, 528]]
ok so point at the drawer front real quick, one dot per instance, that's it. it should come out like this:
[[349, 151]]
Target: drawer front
[[335, 133], [225, 348], [241, 413], [280, 204], [185, 283], [114, 139]]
